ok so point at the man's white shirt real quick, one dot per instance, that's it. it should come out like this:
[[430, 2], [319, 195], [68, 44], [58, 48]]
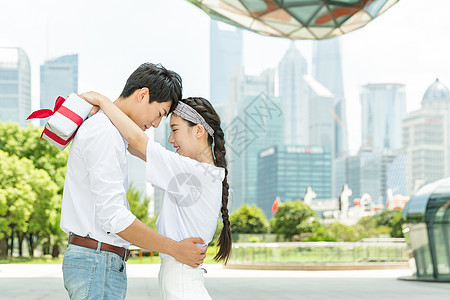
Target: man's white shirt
[[94, 199]]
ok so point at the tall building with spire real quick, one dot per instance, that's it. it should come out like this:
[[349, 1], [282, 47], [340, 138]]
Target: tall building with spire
[[15, 85], [327, 69], [225, 58], [294, 97]]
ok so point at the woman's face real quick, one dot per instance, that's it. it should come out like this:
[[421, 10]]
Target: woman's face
[[182, 136]]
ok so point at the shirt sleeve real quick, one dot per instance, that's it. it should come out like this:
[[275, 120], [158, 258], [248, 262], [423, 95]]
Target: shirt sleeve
[[103, 151], [163, 166]]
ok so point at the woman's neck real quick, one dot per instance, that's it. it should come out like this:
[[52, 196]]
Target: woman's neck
[[206, 156]]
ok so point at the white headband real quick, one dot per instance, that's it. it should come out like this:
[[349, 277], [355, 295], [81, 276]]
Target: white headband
[[188, 113]]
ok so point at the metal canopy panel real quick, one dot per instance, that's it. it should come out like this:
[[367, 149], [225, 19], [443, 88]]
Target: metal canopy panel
[[415, 209], [296, 19]]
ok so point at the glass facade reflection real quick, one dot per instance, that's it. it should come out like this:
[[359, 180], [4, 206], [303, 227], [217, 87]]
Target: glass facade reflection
[[427, 230], [286, 171]]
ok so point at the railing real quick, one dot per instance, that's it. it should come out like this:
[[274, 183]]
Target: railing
[[319, 252]]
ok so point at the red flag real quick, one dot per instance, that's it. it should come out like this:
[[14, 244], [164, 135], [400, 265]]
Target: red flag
[[275, 205]]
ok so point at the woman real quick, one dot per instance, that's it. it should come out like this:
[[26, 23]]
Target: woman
[[194, 181]]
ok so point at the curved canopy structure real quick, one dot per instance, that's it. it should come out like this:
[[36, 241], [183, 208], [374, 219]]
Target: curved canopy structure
[[296, 19], [427, 230]]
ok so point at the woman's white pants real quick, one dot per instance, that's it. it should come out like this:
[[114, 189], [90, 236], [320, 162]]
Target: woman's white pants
[[179, 281]]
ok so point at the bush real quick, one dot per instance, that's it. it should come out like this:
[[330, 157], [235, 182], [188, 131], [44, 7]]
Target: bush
[[249, 219], [294, 218]]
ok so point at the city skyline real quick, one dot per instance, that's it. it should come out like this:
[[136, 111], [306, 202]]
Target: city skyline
[[373, 54]]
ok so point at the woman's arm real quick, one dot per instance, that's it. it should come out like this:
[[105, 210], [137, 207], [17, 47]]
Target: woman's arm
[[136, 153], [127, 128]]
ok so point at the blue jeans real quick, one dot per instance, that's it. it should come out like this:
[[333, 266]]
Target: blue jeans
[[94, 274]]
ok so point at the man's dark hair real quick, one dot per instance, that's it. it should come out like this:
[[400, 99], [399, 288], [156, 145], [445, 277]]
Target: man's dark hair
[[163, 85]]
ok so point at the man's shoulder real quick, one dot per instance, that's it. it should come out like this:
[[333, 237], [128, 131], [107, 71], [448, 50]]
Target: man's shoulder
[[99, 125], [98, 122]]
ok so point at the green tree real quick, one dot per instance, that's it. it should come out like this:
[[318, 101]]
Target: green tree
[[366, 227], [397, 226], [294, 218], [4, 224], [385, 218], [44, 223], [29, 197], [219, 227], [249, 219], [344, 233], [26, 142], [138, 204]]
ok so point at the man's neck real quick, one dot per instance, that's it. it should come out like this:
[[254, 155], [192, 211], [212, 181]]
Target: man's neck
[[123, 105]]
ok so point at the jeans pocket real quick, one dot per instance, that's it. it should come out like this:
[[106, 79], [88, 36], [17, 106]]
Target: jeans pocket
[[78, 272], [116, 278], [116, 264]]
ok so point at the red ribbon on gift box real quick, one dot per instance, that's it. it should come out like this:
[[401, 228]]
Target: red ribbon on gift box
[[44, 113], [57, 138]]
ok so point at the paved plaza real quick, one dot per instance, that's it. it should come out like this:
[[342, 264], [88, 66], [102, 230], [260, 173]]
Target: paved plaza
[[32, 282]]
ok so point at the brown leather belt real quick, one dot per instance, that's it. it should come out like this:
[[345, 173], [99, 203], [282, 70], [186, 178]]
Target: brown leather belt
[[93, 244]]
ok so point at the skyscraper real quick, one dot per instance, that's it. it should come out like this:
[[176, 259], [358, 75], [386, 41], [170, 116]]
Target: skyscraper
[[383, 107], [15, 85], [426, 138], [258, 125], [59, 77], [321, 102], [327, 69], [287, 171], [244, 86], [367, 174], [293, 93], [225, 57]]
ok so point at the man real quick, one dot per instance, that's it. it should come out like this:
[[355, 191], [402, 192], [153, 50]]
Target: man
[[95, 212]]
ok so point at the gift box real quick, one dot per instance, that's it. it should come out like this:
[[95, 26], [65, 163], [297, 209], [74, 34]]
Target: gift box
[[66, 117]]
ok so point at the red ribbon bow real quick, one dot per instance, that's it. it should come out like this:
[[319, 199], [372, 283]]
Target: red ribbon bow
[[44, 113]]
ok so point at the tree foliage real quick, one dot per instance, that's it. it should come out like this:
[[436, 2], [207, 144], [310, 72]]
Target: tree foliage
[[138, 204], [249, 219], [30, 200], [397, 225], [344, 233], [31, 184], [294, 218], [25, 142], [386, 217]]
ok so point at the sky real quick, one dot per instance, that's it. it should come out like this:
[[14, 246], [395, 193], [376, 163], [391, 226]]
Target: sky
[[408, 44]]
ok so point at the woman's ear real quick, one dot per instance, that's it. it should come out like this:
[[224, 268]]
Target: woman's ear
[[199, 131]]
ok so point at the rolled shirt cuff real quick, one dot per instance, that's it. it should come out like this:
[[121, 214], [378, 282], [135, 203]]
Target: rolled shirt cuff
[[120, 221]]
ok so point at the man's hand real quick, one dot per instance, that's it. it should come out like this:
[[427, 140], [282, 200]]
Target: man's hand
[[187, 252]]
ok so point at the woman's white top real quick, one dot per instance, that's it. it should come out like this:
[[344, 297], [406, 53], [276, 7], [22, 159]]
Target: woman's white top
[[192, 194]]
